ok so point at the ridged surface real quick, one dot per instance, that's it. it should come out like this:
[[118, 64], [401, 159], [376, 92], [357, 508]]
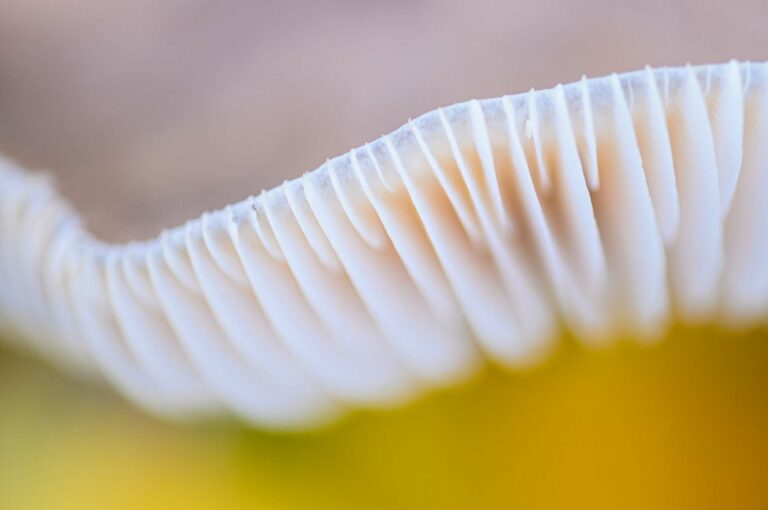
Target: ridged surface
[[608, 206]]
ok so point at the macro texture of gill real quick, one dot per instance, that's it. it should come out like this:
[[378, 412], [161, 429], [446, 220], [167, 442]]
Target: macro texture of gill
[[607, 206]]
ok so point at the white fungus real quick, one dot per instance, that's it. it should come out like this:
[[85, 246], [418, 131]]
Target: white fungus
[[607, 207]]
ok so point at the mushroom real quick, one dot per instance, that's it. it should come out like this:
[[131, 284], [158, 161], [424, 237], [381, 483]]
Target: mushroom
[[606, 207]]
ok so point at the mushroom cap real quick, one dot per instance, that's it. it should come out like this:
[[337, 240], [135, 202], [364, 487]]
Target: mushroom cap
[[606, 207]]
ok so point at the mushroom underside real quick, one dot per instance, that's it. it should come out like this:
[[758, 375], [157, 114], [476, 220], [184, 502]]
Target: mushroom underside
[[606, 207]]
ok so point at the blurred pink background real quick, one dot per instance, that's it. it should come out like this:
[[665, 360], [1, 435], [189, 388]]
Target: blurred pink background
[[151, 112]]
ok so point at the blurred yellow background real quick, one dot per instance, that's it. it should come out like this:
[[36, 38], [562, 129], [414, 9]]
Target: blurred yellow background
[[679, 425], [150, 112]]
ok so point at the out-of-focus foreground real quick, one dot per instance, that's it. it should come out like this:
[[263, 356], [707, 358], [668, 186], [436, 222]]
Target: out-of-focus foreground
[[149, 113], [681, 425]]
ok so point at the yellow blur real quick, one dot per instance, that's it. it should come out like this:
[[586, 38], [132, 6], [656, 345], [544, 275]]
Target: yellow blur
[[682, 424]]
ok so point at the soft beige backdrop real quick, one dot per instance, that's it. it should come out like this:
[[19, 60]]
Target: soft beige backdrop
[[152, 112]]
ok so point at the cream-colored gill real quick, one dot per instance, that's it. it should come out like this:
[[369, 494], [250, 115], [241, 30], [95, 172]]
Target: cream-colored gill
[[607, 206]]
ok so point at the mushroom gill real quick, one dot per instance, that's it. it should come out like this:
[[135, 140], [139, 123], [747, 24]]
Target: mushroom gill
[[607, 207]]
